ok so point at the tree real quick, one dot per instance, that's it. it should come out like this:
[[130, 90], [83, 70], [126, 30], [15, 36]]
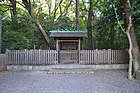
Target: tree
[[14, 14], [0, 32], [77, 15], [28, 6], [134, 53], [89, 25]]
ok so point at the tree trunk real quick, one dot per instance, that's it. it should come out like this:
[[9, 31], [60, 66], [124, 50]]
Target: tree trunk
[[133, 48], [77, 15], [14, 15], [14, 12], [31, 12], [0, 33], [112, 38], [89, 26], [39, 26]]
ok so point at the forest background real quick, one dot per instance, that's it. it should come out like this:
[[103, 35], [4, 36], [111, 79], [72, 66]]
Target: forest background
[[26, 23]]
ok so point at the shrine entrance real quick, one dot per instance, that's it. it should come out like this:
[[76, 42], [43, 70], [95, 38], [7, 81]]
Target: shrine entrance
[[68, 52], [68, 45]]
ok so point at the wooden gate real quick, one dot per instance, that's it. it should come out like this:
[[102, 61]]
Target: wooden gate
[[68, 56]]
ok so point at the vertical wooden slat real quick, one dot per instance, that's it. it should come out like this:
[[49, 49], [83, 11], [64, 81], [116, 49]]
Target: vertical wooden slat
[[50, 56], [114, 54], [17, 52], [80, 57], [45, 57], [109, 56], [90, 56], [94, 56], [99, 56], [29, 56], [103, 56], [55, 56]]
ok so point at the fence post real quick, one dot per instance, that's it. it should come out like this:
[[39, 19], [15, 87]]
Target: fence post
[[57, 49]]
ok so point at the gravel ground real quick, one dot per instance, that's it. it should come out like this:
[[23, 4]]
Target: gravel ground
[[102, 81]]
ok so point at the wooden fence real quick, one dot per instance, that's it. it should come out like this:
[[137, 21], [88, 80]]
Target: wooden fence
[[32, 57], [68, 56], [46, 57], [3, 59], [103, 57]]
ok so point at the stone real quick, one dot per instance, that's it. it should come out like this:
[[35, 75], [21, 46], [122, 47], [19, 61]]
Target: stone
[[30, 68]]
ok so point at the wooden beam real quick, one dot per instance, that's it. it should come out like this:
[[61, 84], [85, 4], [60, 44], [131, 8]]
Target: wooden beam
[[57, 49], [68, 40], [79, 48]]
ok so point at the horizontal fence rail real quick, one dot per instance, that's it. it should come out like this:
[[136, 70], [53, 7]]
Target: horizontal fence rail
[[32, 57], [103, 57]]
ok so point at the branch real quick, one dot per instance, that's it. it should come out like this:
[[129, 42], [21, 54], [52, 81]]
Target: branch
[[4, 11], [55, 8], [133, 4], [66, 9], [60, 7], [49, 6], [83, 9], [6, 5], [117, 17], [39, 8], [21, 4]]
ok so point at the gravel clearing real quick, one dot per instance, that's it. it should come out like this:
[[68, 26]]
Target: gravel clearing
[[102, 81]]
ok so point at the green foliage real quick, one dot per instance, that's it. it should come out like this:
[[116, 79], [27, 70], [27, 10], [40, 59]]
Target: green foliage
[[136, 12], [11, 42], [106, 31], [136, 16]]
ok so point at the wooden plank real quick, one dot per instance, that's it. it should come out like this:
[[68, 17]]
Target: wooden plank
[[80, 57], [46, 57], [109, 56], [95, 57]]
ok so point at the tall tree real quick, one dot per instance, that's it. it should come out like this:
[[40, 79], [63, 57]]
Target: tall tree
[[77, 15], [28, 6], [134, 53], [0, 32], [14, 12], [89, 25]]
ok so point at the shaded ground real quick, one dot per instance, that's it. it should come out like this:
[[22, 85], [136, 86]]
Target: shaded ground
[[102, 81]]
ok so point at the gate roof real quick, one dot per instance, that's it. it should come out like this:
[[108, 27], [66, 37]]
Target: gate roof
[[67, 33]]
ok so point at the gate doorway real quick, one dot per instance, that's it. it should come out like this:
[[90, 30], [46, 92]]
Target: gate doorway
[[68, 45], [68, 52]]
